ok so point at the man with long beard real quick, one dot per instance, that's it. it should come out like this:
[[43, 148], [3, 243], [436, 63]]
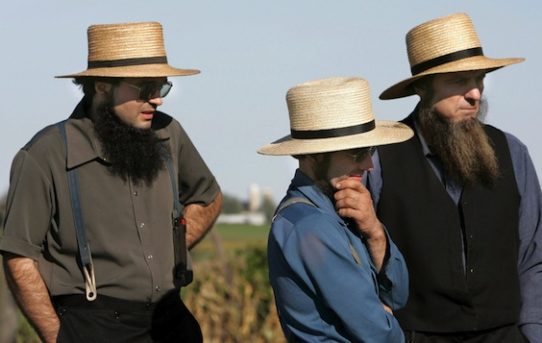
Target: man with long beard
[[461, 199], [94, 244], [336, 275]]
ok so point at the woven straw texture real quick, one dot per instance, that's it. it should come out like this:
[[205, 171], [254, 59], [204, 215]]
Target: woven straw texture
[[333, 103], [114, 42], [440, 37], [121, 41], [329, 103]]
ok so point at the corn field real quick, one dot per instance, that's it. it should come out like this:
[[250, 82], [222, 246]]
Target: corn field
[[232, 299], [230, 295]]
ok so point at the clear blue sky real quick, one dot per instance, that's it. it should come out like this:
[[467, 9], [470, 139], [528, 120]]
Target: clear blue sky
[[250, 52]]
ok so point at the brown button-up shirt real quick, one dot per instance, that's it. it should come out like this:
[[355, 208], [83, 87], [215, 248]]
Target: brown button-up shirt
[[128, 226]]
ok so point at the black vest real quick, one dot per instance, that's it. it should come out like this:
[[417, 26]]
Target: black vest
[[426, 225]]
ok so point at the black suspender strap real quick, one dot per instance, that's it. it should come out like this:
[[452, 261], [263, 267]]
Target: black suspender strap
[[82, 243], [182, 275]]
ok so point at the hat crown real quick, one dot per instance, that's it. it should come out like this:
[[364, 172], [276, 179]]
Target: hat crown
[[439, 37], [124, 41], [329, 104], [128, 50]]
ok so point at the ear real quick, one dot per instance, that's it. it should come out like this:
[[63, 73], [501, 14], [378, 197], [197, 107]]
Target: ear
[[418, 90], [315, 159], [423, 87], [102, 87]]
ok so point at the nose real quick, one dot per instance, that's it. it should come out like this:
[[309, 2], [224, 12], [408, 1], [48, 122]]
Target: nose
[[156, 101], [474, 94], [474, 90]]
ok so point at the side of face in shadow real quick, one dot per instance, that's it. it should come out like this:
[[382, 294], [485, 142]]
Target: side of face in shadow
[[173, 322], [321, 179]]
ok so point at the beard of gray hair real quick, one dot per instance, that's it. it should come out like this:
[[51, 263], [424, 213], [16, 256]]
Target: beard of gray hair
[[463, 147]]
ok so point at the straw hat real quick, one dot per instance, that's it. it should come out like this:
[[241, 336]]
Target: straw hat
[[443, 45], [128, 50], [331, 115]]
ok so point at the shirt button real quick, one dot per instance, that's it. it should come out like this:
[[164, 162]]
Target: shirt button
[[157, 288], [134, 193], [142, 225], [472, 270], [149, 257]]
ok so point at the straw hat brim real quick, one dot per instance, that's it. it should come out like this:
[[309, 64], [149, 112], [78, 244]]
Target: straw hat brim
[[386, 132], [403, 88], [145, 70]]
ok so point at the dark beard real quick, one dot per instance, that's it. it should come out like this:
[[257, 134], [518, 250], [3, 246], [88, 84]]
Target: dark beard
[[463, 148], [136, 154]]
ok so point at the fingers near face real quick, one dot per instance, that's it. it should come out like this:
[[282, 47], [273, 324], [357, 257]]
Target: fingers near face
[[348, 182]]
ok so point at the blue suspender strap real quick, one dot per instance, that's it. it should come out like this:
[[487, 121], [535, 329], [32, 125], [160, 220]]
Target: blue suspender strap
[[295, 200], [82, 243], [182, 275]]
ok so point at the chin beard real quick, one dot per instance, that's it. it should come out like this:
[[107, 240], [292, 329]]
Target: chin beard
[[463, 147], [136, 154], [321, 177]]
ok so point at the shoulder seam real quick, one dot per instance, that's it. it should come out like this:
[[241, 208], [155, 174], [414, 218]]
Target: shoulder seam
[[38, 135]]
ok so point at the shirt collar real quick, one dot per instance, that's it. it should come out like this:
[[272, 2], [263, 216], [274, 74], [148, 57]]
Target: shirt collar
[[83, 144], [304, 185]]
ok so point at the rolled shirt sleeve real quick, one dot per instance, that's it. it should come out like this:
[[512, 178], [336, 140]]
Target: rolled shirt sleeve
[[128, 224], [393, 278], [28, 208], [196, 182]]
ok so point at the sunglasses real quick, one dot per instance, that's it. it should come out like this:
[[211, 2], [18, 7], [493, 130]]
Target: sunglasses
[[149, 90], [358, 155]]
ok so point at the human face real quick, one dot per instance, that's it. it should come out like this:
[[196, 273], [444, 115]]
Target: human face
[[128, 105], [350, 163], [456, 96]]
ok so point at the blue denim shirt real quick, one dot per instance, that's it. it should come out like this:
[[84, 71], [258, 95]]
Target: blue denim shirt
[[325, 283], [530, 226]]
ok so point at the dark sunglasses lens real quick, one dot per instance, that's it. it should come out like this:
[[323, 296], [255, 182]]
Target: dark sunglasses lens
[[360, 155], [165, 88], [151, 90]]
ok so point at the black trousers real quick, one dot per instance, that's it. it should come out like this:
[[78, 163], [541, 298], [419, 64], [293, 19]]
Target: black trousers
[[505, 334], [108, 319]]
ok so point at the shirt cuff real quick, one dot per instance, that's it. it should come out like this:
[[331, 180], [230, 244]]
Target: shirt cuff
[[533, 332]]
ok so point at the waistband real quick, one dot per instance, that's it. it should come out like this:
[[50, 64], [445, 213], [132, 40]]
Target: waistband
[[101, 302]]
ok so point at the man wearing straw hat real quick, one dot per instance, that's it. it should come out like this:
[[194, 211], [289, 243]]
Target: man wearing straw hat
[[461, 199], [335, 273], [94, 236]]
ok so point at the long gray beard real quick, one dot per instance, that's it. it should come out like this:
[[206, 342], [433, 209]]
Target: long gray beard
[[464, 148]]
